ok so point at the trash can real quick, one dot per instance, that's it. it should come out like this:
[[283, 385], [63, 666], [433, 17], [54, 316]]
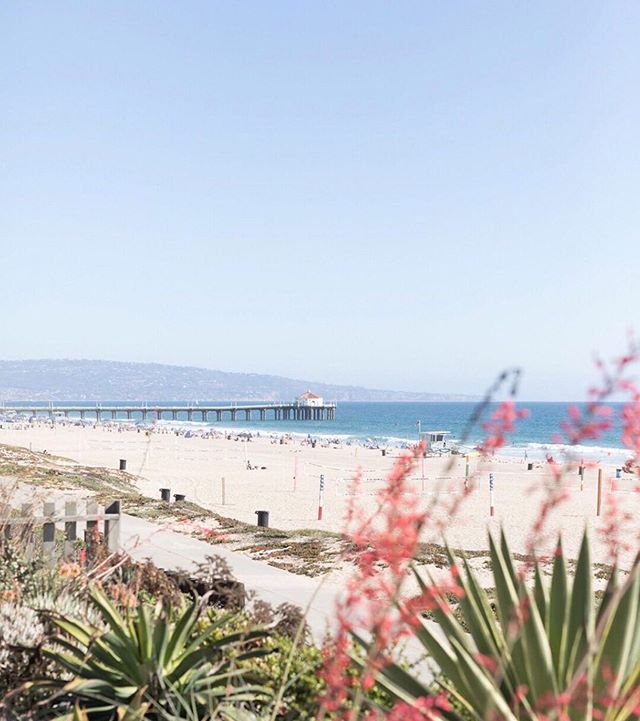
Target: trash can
[[123, 464], [165, 494], [384, 451], [179, 497], [263, 518], [529, 466], [618, 472]]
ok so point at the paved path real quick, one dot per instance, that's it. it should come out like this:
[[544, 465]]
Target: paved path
[[177, 551]]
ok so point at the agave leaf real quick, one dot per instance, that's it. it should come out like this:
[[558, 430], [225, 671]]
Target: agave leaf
[[509, 662], [634, 652], [82, 632], [474, 590], [506, 554], [506, 594], [256, 653], [69, 662], [626, 706], [608, 594], [116, 622], [395, 679], [119, 655], [614, 660], [79, 714], [453, 629], [538, 657], [477, 611], [181, 632], [68, 646], [541, 596], [581, 618], [508, 603], [95, 688], [126, 713], [445, 657], [237, 637], [487, 699], [135, 710], [558, 610], [93, 669], [198, 643], [187, 662], [160, 640], [220, 684], [450, 625], [143, 632]]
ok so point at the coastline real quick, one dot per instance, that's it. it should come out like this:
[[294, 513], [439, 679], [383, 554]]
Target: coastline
[[522, 450], [285, 472]]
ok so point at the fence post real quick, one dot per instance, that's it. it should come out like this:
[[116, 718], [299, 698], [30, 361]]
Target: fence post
[[27, 532], [70, 529], [49, 534], [91, 532], [112, 527]]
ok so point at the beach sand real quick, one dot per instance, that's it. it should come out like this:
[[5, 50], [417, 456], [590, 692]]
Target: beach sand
[[286, 481]]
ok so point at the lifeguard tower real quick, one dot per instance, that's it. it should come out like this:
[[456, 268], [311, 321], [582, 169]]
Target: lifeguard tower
[[436, 441]]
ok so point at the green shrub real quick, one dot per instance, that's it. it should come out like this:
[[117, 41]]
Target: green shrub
[[292, 672]]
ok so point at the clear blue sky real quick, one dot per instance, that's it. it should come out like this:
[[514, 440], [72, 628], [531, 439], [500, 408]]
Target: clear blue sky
[[404, 195]]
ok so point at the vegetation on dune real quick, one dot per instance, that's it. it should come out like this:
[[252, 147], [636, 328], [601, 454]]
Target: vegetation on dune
[[120, 640], [307, 551]]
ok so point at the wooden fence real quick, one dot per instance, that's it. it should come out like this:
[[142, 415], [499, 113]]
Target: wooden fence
[[25, 523]]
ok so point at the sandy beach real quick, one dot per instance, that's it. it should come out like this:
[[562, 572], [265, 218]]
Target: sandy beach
[[285, 475]]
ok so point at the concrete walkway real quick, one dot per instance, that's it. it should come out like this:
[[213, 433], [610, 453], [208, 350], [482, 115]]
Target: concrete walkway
[[171, 550], [177, 551]]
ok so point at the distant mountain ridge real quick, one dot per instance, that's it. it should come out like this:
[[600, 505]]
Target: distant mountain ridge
[[62, 380]]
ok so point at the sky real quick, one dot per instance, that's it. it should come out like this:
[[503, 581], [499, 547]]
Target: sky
[[407, 195]]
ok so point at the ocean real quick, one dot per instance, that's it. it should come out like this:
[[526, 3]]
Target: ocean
[[377, 423]]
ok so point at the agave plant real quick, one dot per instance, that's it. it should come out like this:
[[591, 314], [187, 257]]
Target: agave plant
[[554, 651], [147, 666], [123, 714]]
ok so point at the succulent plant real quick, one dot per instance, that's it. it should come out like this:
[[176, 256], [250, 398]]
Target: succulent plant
[[21, 635], [554, 651], [144, 659]]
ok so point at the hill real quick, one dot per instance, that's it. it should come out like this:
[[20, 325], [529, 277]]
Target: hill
[[58, 380]]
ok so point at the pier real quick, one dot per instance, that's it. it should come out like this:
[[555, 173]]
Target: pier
[[293, 411]]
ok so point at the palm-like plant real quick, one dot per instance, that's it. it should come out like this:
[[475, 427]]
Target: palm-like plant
[[153, 667], [549, 651]]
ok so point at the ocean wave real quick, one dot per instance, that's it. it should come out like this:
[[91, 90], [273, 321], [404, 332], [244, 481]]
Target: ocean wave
[[566, 450]]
